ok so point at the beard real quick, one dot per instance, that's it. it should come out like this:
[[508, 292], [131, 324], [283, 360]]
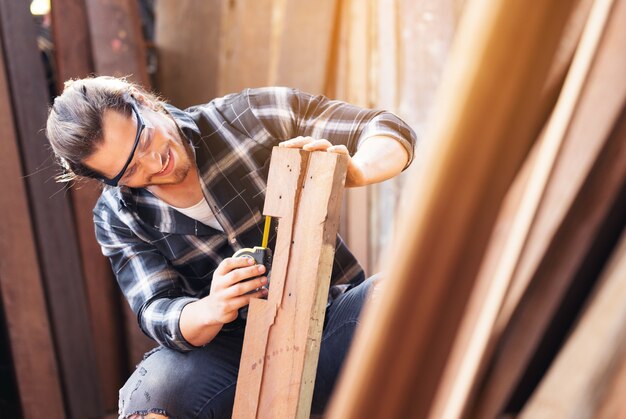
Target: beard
[[180, 173]]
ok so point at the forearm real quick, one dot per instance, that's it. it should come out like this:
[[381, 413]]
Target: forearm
[[378, 158], [194, 325]]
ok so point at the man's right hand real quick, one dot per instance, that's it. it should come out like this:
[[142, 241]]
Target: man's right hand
[[231, 289]]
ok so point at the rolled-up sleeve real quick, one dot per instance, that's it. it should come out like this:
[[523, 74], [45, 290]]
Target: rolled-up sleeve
[[146, 278], [287, 113]]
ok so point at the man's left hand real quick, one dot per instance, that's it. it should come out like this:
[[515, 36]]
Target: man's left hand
[[355, 175]]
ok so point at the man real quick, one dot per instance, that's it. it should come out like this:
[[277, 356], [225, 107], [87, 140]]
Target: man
[[183, 192]]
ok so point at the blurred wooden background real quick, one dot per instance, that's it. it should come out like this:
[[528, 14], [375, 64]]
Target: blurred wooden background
[[67, 338], [376, 53]]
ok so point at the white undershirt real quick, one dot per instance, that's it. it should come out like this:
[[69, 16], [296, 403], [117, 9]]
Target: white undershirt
[[201, 212]]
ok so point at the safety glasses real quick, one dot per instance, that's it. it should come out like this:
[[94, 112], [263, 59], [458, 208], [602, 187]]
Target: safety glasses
[[140, 127]]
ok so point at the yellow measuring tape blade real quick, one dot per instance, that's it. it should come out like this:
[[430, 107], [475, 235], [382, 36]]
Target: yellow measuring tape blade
[[266, 231]]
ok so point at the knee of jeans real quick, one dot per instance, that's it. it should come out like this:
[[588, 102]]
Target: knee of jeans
[[146, 415], [154, 392]]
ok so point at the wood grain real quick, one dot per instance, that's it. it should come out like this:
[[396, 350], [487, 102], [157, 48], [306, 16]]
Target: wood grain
[[21, 287], [588, 170], [494, 79], [55, 231], [283, 335], [118, 49], [72, 49], [478, 332], [578, 381], [188, 59]]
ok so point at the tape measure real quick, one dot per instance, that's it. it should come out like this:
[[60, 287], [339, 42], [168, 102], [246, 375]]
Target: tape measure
[[262, 255]]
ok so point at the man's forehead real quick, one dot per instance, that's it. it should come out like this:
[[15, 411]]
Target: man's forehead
[[115, 116], [117, 140]]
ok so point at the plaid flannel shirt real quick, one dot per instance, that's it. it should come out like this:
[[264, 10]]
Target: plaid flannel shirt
[[163, 259]]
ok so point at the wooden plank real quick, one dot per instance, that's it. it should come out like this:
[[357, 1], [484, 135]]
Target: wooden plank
[[498, 65], [564, 55], [54, 228], [455, 390], [245, 45], [560, 122], [73, 57], [613, 405], [301, 50], [32, 348], [72, 48], [117, 42], [472, 349], [118, 49], [350, 81], [281, 346], [578, 379], [188, 59], [410, 49], [586, 156], [568, 266], [426, 32]]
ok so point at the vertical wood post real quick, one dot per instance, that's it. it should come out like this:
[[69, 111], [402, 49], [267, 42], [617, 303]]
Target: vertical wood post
[[490, 90], [282, 342], [72, 50], [55, 231], [118, 49], [21, 289]]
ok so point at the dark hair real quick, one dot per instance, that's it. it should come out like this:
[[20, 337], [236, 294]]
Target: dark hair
[[74, 125]]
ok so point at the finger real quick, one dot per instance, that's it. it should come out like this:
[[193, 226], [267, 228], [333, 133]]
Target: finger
[[245, 287], [242, 301], [241, 274], [339, 149], [228, 264], [296, 142], [317, 145]]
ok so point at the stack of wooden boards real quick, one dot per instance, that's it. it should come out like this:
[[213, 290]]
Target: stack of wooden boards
[[63, 312], [506, 293], [511, 235]]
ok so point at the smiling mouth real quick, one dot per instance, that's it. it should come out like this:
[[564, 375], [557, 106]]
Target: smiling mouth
[[166, 165]]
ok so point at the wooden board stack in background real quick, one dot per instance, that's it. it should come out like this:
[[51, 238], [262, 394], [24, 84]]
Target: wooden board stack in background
[[497, 100], [21, 288], [72, 48], [54, 227]]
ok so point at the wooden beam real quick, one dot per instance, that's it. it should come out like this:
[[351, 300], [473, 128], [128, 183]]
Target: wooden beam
[[301, 45], [117, 42], [613, 405], [282, 342], [544, 275], [464, 366], [118, 49], [72, 45], [188, 70], [245, 45], [568, 265], [473, 349], [21, 289], [498, 65], [54, 228], [579, 378], [72, 49]]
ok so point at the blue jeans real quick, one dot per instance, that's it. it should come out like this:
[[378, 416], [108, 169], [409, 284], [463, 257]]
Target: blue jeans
[[201, 383]]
